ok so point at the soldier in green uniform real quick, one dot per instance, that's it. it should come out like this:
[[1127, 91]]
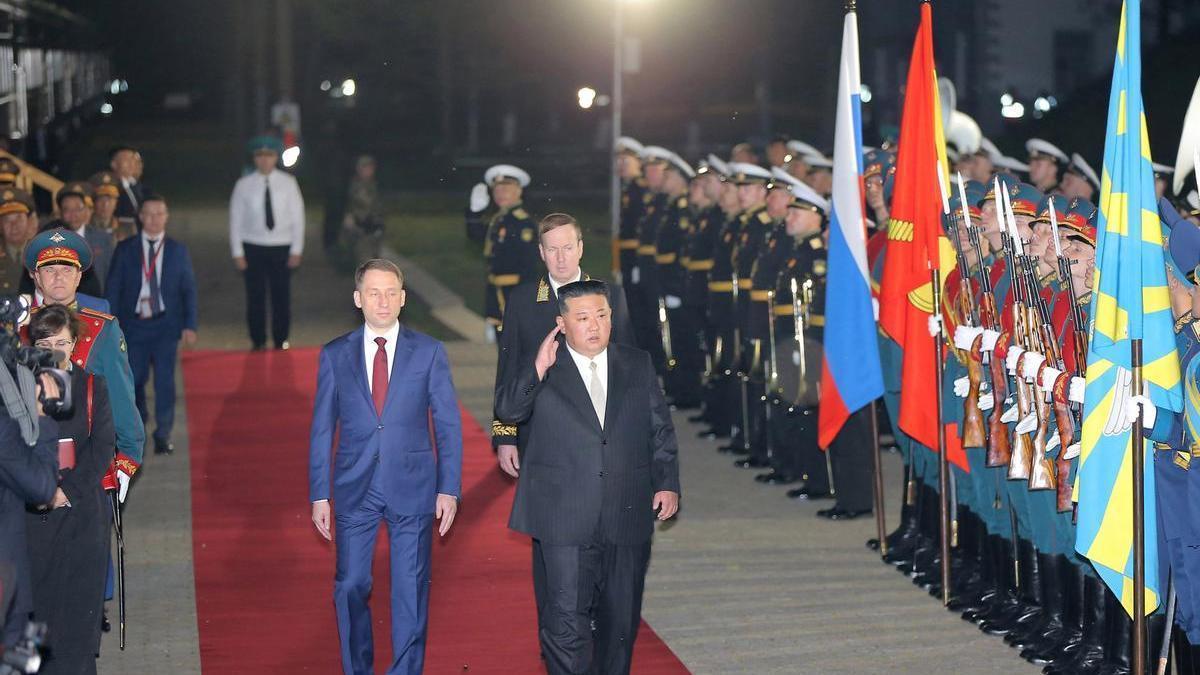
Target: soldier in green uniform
[[14, 211], [753, 183], [510, 247], [106, 193], [56, 260]]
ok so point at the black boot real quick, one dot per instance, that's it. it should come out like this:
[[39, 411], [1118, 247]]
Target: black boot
[[1049, 626], [970, 591], [1089, 655], [1003, 596], [900, 540], [1025, 611], [1070, 613], [1117, 650]]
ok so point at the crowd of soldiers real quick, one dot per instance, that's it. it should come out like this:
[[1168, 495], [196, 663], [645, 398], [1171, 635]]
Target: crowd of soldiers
[[723, 270]]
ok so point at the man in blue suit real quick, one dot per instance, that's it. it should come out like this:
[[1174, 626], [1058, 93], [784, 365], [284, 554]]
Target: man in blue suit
[[378, 387], [152, 291]]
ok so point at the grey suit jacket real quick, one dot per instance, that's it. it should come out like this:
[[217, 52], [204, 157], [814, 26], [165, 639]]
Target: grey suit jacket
[[102, 245]]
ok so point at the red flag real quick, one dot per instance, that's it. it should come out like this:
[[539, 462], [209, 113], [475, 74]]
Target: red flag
[[905, 298]]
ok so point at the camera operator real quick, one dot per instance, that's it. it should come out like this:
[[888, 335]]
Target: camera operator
[[68, 538], [27, 475]]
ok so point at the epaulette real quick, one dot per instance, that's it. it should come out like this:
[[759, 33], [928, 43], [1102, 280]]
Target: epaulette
[[763, 217], [520, 213], [88, 311], [816, 243], [681, 203]]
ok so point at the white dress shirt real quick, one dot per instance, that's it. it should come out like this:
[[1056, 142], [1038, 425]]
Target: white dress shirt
[[144, 309], [248, 217], [583, 363], [369, 349], [554, 285]]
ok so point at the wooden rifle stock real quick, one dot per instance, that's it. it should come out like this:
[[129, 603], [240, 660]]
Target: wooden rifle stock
[[1066, 435], [1041, 476], [972, 425], [1021, 462], [998, 449]]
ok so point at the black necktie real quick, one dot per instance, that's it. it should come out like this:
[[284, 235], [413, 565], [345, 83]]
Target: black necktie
[[152, 273], [267, 203]]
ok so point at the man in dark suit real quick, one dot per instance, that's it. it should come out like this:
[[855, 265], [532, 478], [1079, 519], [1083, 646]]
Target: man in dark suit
[[126, 163], [378, 389], [600, 461], [152, 291]]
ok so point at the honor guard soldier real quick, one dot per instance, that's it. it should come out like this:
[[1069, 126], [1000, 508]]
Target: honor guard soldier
[[1045, 163], [794, 162], [820, 174], [753, 183], [682, 387], [794, 353], [14, 210], [644, 275], [634, 198], [1080, 181], [511, 245], [106, 193], [56, 260], [720, 402], [694, 355]]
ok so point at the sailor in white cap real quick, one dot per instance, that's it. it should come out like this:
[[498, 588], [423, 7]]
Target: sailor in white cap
[[1011, 165], [1080, 180], [1045, 160], [820, 173], [635, 195], [641, 290], [682, 387], [511, 247], [794, 161], [779, 196]]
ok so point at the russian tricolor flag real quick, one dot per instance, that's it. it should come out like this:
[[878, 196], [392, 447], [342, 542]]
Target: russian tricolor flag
[[851, 377]]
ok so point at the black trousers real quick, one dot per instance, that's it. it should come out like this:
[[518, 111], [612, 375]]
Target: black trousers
[[267, 271], [598, 584], [853, 466]]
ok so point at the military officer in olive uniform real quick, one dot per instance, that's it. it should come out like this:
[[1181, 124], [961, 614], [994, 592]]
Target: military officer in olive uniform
[[14, 210], [106, 193], [511, 245]]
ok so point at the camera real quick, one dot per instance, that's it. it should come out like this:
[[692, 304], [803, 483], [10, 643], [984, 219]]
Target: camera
[[14, 311]]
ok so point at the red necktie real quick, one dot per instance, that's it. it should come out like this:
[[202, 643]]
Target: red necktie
[[379, 375]]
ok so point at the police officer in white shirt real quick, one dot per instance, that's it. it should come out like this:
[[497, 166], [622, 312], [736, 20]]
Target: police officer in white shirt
[[266, 235]]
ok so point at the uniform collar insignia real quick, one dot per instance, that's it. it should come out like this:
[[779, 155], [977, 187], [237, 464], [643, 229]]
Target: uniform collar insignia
[[543, 291]]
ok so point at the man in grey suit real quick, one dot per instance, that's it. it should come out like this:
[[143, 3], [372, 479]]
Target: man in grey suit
[[601, 461]]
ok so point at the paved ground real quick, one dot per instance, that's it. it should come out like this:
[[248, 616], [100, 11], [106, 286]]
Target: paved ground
[[744, 581]]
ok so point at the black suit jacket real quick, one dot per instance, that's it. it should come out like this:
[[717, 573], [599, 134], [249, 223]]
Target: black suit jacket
[[529, 316], [27, 475], [579, 480]]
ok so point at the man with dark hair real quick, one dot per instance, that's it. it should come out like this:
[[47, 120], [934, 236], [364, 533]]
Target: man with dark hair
[[602, 461], [152, 291], [126, 162]]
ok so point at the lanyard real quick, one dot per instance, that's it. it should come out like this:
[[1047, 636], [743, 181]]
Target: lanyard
[[150, 267]]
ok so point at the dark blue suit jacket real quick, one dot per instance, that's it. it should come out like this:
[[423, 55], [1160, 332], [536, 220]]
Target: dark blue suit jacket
[[400, 442], [177, 285]]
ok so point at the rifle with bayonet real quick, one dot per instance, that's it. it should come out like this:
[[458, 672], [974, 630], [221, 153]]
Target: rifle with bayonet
[[1020, 463], [1041, 475], [1064, 412]]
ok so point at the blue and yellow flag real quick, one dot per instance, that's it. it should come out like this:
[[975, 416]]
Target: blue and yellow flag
[[1130, 302]]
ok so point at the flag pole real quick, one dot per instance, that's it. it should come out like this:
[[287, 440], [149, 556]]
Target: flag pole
[[880, 518], [1139, 517], [943, 466]]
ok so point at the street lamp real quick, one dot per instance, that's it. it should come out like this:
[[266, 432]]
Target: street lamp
[[587, 96]]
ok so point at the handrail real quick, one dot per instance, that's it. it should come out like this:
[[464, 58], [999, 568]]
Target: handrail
[[30, 176]]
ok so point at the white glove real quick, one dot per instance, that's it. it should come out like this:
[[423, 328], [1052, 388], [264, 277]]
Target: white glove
[[1049, 377], [1075, 389], [1030, 365], [672, 302], [987, 401], [990, 338], [1053, 441], [964, 336], [479, 198], [962, 386], [1072, 451], [935, 325], [489, 334], [123, 485], [635, 276], [1014, 355], [1149, 412], [1009, 415], [1028, 424], [795, 357], [875, 307]]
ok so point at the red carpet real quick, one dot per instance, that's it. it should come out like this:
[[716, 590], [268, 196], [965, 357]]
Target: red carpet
[[264, 577]]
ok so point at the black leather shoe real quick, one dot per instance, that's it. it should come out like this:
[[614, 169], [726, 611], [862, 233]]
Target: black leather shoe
[[163, 446], [873, 544], [712, 433], [838, 513], [696, 419], [751, 463], [776, 478], [258, 348], [104, 624], [805, 493]]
